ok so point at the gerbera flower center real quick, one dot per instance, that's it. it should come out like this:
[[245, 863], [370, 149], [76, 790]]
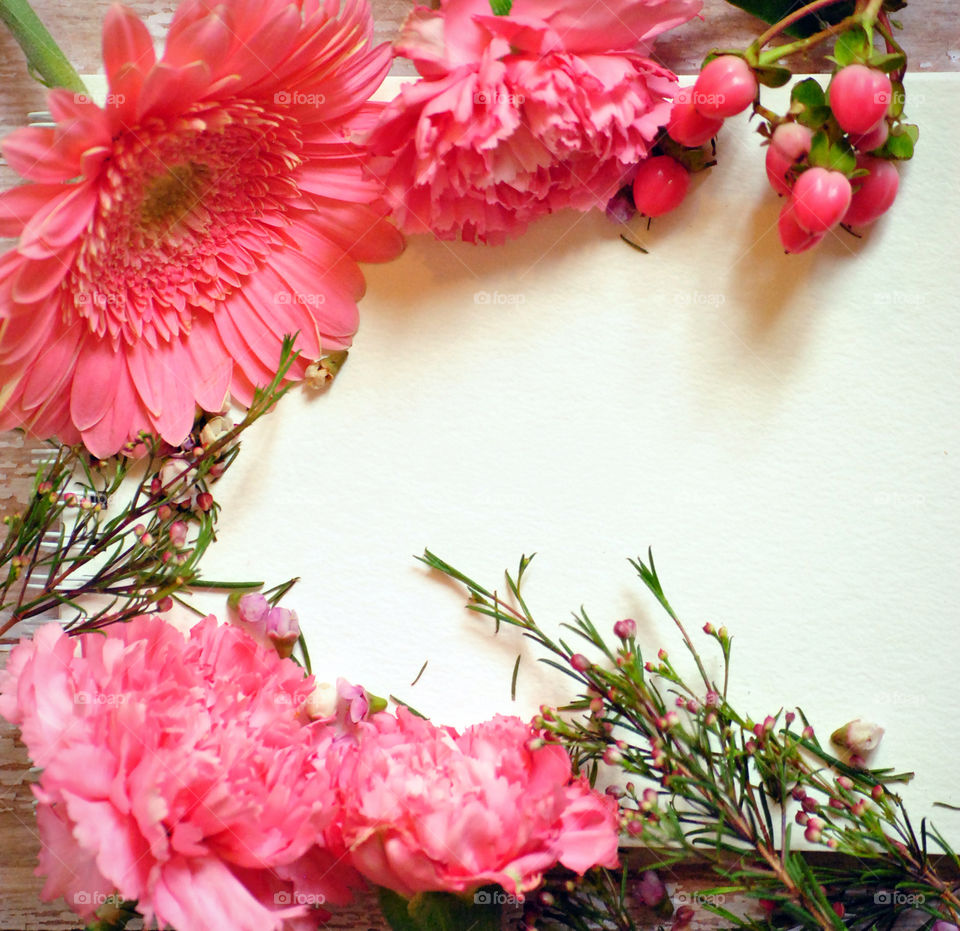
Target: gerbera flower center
[[188, 209], [171, 196]]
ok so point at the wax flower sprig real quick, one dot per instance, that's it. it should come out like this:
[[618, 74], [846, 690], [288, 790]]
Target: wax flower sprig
[[83, 533], [832, 154], [697, 780]]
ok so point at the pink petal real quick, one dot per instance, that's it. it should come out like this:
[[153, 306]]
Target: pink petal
[[64, 218], [19, 204], [175, 419], [168, 90], [119, 423], [207, 39], [126, 41], [21, 334], [211, 366], [95, 380], [32, 152], [52, 369], [38, 277], [243, 357]]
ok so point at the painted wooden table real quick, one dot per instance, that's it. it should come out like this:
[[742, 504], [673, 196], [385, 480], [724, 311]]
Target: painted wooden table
[[931, 37]]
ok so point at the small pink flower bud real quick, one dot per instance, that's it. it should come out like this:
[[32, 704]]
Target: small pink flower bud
[[845, 782], [204, 501], [612, 756], [682, 917], [789, 717], [635, 828], [580, 662], [614, 792], [650, 796], [165, 604], [837, 803], [178, 533], [801, 817], [282, 629], [139, 530], [812, 833], [253, 608], [798, 793], [708, 628], [625, 629], [807, 732], [649, 666], [710, 718], [859, 737], [810, 803], [712, 699], [876, 793], [751, 747], [651, 890], [164, 512], [662, 655]]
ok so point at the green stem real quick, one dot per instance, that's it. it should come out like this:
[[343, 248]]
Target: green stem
[[865, 18], [45, 61], [788, 21]]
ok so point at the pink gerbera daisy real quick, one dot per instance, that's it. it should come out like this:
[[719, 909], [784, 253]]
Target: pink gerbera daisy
[[170, 239]]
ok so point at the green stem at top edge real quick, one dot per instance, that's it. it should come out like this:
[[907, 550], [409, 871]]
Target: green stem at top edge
[[45, 61]]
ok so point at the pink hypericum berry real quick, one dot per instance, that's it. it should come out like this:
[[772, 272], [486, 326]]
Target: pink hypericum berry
[[872, 140], [794, 237], [725, 87], [820, 199], [789, 144], [660, 185], [687, 125], [859, 97], [876, 193]]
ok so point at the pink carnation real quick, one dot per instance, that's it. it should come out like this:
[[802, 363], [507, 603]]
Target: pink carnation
[[179, 771], [426, 809], [517, 116]]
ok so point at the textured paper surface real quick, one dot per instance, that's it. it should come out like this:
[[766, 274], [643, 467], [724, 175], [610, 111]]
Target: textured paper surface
[[782, 430]]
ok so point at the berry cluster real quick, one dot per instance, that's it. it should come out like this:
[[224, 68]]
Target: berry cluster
[[832, 155]]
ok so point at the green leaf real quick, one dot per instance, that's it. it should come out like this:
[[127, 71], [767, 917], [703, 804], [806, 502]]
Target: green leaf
[[808, 93], [852, 47], [772, 11], [442, 911], [819, 150], [899, 144], [887, 61], [773, 75], [842, 157], [501, 7]]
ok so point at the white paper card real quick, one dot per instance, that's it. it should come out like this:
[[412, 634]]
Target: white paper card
[[783, 431]]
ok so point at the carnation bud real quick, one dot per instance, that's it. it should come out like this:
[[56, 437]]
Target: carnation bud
[[625, 629]]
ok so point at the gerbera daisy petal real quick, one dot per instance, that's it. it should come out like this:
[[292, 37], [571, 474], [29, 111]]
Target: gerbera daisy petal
[[37, 279], [32, 153], [59, 221], [207, 39], [212, 368], [204, 177], [19, 204], [126, 43], [51, 369], [94, 383]]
